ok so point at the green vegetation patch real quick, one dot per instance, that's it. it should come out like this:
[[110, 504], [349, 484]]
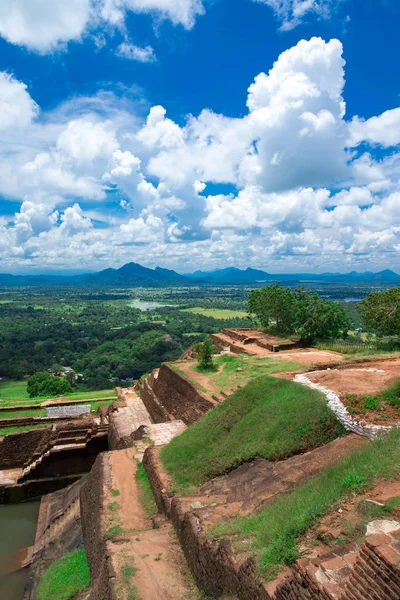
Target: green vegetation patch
[[239, 370], [14, 414], [65, 577], [383, 403], [216, 313], [13, 390], [269, 417], [7, 430], [274, 534], [145, 493], [96, 405]]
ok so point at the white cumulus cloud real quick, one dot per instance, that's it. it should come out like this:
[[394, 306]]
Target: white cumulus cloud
[[43, 25]]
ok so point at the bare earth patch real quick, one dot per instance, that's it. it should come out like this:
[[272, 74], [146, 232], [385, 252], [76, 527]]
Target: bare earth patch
[[309, 356], [358, 380]]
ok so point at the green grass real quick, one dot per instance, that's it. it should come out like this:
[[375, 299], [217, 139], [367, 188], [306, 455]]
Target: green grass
[[12, 392], [249, 367], [125, 586], [360, 405], [145, 493], [30, 402], [65, 577], [269, 417], [217, 313], [232, 371], [96, 405], [8, 430], [275, 533], [14, 414]]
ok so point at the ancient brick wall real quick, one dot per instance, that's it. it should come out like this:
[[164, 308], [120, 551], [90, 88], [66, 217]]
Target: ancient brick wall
[[212, 564], [92, 504], [156, 410], [179, 396], [17, 448]]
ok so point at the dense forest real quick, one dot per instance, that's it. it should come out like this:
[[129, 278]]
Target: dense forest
[[98, 335], [117, 335]]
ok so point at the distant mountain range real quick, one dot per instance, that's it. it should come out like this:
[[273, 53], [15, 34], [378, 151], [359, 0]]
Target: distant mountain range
[[237, 276], [135, 275]]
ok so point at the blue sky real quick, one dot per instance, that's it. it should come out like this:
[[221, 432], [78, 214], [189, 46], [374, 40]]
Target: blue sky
[[193, 134]]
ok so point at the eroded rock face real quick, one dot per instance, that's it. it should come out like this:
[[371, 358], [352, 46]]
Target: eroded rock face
[[382, 526]]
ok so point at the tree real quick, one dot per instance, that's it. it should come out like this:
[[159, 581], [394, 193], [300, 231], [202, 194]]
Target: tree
[[205, 351], [274, 307], [381, 312], [282, 310], [44, 384], [317, 318]]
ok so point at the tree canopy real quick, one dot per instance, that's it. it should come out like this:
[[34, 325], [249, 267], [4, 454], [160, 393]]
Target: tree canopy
[[44, 384], [205, 351], [281, 310], [381, 312]]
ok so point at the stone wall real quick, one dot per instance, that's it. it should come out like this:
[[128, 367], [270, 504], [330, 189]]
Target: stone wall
[[212, 564], [92, 507], [34, 488], [157, 411], [17, 448], [373, 572], [179, 396]]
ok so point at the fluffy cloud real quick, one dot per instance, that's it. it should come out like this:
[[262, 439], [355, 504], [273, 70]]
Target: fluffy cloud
[[17, 108], [286, 186], [48, 25], [383, 130], [43, 25], [292, 12]]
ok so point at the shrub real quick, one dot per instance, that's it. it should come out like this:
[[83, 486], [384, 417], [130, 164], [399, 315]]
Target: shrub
[[44, 384], [205, 352]]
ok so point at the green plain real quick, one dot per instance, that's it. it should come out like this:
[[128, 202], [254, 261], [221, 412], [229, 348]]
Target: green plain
[[217, 313]]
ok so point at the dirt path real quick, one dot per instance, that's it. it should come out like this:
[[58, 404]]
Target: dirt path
[[203, 380], [148, 562], [123, 471]]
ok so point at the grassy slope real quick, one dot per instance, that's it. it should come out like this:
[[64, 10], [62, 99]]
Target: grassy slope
[[269, 417], [276, 531], [65, 577]]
